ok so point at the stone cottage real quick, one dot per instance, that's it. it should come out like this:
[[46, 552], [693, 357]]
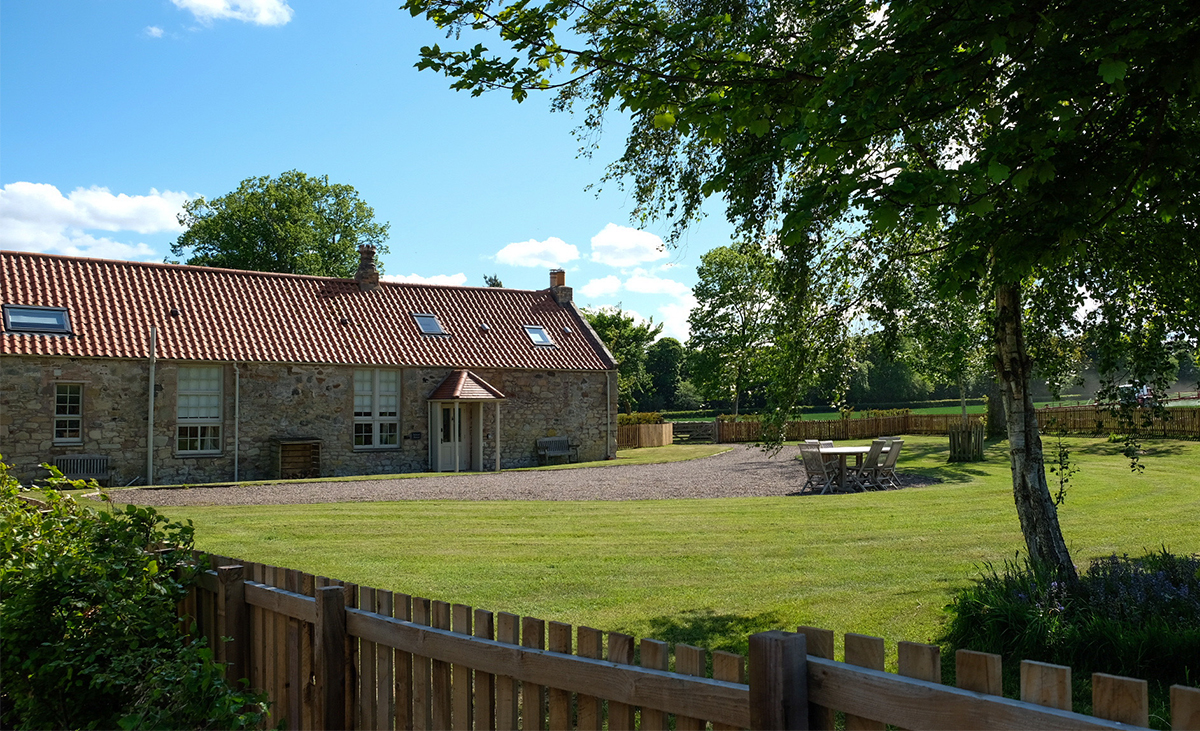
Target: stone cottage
[[180, 374]]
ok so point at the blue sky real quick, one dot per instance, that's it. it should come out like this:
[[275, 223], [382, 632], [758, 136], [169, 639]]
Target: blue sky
[[113, 114]]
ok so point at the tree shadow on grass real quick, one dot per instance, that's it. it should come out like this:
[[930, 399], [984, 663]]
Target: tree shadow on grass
[[1150, 448], [705, 628], [949, 471]]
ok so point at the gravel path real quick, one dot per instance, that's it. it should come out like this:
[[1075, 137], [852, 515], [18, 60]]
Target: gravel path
[[744, 471]]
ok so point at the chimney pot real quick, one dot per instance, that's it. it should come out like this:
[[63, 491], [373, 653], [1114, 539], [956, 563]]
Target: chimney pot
[[558, 287], [367, 275]]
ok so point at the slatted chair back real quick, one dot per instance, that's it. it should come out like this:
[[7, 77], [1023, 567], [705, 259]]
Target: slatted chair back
[[815, 468], [887, 470]]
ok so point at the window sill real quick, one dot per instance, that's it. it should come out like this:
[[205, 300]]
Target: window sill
[[389, 448], [65, 443], [197, 455]]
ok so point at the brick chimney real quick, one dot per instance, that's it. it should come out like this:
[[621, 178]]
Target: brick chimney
[[559, 290], [367, 275]]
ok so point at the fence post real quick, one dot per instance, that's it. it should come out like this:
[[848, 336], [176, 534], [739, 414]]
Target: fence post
[[329, 638], [778, 680], [233, 621]]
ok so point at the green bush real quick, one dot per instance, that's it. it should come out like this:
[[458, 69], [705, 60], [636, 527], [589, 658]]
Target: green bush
[[694, 414], [649, 417], [1135, 617], [877, 413], [90, 636]]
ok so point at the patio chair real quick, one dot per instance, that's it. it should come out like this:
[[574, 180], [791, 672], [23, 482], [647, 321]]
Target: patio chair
[[866, 475], [886, 474], [815, 468], [831, 463]]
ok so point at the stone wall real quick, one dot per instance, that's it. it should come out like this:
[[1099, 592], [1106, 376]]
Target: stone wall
[[283, 401]]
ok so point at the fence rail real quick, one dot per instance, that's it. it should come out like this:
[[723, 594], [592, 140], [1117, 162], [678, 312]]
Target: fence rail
[[1183, 421], [632, 436], [339, 656]]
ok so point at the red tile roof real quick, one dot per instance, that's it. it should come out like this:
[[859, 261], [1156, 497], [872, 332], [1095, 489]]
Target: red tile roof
[[233, 315], [465, 386]]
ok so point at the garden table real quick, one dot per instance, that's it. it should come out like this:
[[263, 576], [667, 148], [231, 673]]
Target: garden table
[[841, 453]]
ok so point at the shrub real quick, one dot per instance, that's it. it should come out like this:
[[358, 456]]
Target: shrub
[[648, 417], [693, 414], [877, 413], [1136, 617], [90, 636]]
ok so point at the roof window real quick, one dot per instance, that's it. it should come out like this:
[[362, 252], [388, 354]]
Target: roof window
[[33, 319], [429, 324], [538, 335]]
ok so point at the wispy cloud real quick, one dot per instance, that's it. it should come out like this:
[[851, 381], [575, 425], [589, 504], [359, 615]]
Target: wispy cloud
[[154, 31], [454, 280], [259, 12], [38, 217], [621, 246], [553, 252]]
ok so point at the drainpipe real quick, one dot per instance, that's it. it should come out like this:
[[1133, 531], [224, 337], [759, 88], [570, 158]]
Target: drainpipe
[[608, 435], [497, 436], [237, 421], [150, 412]]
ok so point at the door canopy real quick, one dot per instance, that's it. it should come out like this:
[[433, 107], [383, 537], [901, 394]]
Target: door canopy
[[463, 385]]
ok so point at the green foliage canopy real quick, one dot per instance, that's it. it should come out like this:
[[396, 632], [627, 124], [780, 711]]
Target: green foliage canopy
[[731, 325], [665, 366], [293, 224], [627, 340]]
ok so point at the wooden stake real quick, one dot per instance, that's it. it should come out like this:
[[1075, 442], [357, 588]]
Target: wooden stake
[[778, 680]]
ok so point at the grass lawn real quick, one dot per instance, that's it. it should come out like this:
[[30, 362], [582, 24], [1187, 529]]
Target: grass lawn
[[709, 572]]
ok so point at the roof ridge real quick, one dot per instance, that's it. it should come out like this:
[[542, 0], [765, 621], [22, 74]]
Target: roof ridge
[[251, 272]]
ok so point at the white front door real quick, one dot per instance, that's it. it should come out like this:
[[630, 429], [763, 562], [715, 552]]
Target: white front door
[[454, 429]]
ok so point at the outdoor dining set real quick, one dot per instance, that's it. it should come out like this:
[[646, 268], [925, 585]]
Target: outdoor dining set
[[874, 468]]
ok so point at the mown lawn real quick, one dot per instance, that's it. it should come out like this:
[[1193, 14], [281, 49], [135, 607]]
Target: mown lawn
[[709, 572]]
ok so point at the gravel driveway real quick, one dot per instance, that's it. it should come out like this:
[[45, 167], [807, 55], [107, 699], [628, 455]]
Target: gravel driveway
[[744, 471]]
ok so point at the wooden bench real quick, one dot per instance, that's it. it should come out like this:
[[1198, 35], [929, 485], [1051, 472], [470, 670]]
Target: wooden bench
[[548, 447], [83, 466]]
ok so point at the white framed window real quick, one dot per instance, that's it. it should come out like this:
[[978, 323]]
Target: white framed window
[[376, 408], [538, 335], [198, 410], [68, 413]]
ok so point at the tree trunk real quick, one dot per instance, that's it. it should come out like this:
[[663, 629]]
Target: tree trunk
[[1035, 507], [962, 398], [996, 422]]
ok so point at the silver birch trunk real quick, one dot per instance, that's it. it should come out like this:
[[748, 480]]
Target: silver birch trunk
[[1035, 507]]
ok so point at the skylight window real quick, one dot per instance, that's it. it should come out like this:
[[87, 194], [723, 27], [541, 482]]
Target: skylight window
[[32, 319], [538, 335], [429, 324]]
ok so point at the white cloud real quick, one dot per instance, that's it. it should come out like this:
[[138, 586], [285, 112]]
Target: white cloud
[[646, 283], [154, 31], [603, 287], [675, 318], [453, 280], [621, 246], [553, 252], [37, 217], [259, 12]]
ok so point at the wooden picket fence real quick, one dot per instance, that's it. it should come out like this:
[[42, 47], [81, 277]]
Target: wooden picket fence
[[1184, 422], [335, 655], [632, 436]]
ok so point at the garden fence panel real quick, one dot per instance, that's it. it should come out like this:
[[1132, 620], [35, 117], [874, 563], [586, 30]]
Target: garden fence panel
[[350, 685]]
